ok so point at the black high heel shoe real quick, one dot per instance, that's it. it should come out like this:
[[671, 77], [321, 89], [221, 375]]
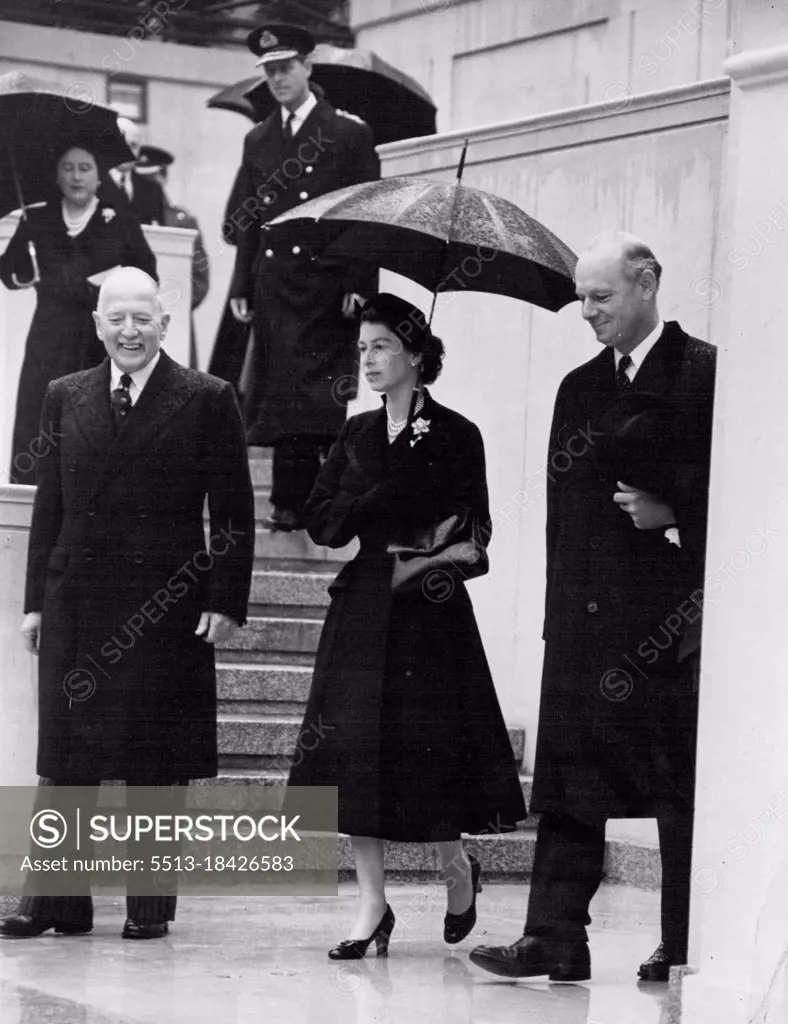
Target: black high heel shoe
[[355, 949], [457, 926]]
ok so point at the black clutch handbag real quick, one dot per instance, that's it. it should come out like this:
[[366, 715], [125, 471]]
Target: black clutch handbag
[[452, 549]]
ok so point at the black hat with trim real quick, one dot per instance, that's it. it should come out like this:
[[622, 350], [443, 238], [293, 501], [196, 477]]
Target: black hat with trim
[[279, 41], [152, 158]]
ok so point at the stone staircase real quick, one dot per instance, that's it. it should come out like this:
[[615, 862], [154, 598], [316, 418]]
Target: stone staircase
[[264, 675]]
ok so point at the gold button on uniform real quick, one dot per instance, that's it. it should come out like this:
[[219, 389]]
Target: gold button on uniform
[[303, 195], [309, 169], [296, 250], [269, 252]]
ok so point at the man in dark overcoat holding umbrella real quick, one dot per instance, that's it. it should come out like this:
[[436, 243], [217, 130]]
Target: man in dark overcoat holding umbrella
[[628, 470], [304, 363], [125, 598]]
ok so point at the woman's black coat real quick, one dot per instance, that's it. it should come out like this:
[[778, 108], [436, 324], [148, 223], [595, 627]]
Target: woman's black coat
[[62, 336], [403, 716]]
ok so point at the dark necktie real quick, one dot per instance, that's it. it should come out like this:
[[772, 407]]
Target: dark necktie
[[287, 130], [121, 401], [623, 383]]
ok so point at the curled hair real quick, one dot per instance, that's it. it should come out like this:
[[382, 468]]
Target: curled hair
[[410, 325], [637, 258], [60, 150]]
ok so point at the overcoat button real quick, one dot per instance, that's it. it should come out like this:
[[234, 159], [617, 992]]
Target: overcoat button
[[269, 253], [296, 250], [143, 515], [138, 559], [87, 554], [592, 607], [303, 195], [72, 469], [594, 542], [91, 513]]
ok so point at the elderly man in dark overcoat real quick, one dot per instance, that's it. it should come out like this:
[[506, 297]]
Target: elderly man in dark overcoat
[[304, 362], [125, 599], [628, 469]]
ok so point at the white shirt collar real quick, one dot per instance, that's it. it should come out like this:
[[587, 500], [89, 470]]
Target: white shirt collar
[[639, 353], [138, 379], [301, 114]]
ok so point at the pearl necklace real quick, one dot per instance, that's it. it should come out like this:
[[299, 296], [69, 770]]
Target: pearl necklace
[[395, 427], [75, 224]]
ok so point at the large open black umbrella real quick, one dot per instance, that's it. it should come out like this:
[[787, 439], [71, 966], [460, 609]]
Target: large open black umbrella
[[358, 81], [39, 117], [445, 236]]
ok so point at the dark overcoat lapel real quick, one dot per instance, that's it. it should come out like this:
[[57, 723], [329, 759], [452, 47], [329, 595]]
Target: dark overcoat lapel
[[164, 395]]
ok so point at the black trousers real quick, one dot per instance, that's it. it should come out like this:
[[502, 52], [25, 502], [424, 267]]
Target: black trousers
[[295, 468], [149, 899], [569, 866]]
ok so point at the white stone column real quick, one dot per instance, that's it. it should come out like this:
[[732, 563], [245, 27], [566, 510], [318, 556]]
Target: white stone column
[[739, 922], [173, 250], [18, 678]]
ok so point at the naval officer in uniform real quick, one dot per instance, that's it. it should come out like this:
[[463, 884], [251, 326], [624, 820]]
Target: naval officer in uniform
[[302, 312]]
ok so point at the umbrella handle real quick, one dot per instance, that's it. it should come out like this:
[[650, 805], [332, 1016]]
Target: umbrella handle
[[31, 248]]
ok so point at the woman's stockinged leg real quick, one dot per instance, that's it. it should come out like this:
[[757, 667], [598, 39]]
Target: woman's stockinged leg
[[457, 872], [368, 853]]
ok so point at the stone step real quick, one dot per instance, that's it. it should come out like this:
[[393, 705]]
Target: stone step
[[288, 588], [276, 778], [504, 857], [260, 467], [298, 547], [276, 634], [245, 736], [267, 687]]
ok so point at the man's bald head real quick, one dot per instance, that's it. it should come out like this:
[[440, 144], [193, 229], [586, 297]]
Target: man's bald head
[[616, 279], [628, 250], [123, 280], [129, 318]]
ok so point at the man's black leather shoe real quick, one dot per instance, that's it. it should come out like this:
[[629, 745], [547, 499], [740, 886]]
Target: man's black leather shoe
[[132, 930], [658, 965], [22, 926], [531, 957], [284, 519]]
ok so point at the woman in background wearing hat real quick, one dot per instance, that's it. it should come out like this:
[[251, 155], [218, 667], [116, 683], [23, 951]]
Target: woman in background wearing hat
[[410, 728], [76, 236]]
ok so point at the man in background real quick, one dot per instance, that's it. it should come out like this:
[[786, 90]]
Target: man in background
[[144, 195], [304, 361], [153, 163]]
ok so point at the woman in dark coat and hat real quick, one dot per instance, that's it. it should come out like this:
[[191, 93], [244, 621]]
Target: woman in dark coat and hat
[[411, 732], [76, 235]]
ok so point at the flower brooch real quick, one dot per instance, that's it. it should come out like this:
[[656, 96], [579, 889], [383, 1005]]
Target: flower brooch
[[108, 214], [419, 427]]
